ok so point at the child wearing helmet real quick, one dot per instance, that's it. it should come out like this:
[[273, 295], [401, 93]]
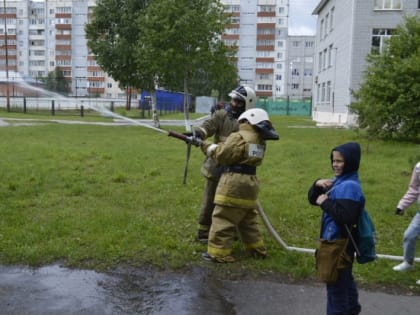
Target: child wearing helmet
[[219, 126], [237, 191]]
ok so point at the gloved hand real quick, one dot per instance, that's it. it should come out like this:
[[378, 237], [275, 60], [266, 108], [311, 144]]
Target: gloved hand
[[193, 138], [197, 133], [399, 211], [208, 148]]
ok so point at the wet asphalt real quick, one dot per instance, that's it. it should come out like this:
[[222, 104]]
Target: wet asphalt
[[60, 291]]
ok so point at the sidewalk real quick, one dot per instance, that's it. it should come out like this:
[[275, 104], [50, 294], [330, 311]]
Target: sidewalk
[[61, 291]]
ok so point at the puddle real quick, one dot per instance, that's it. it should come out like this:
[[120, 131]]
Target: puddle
[[54, 290], [57, 290]]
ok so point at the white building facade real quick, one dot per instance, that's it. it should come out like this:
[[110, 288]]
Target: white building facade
[[347, 31]]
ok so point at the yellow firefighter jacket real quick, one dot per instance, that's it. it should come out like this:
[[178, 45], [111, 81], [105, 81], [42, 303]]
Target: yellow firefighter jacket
[[242, 150]]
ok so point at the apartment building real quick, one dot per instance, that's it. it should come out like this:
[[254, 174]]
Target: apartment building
[[43, 35], [258, 30], [299, 76], [347, 30]]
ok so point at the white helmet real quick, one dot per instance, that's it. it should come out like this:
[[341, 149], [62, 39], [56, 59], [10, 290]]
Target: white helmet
[[245, 94], [254, 116]]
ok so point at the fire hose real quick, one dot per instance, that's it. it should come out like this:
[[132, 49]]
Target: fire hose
[[196, 141]]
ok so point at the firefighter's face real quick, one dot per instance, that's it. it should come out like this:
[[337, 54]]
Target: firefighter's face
[[236, 103]]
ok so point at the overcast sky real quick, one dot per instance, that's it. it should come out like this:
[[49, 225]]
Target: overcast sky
[[301, 21]]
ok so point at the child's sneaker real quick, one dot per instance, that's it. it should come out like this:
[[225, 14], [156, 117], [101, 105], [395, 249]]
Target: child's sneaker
[[404, 266]]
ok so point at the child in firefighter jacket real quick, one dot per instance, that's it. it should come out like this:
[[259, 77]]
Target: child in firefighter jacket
[[237, 191]]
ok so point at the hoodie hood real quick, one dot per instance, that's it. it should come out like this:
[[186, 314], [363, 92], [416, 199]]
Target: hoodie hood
[[352, 154]]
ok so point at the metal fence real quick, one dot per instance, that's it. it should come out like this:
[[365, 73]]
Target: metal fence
[[58, 105], [286, 106]]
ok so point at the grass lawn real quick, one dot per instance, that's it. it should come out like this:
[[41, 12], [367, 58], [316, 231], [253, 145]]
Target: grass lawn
[[101, 196]]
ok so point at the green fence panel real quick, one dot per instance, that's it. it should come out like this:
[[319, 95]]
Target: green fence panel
[[286, 107]]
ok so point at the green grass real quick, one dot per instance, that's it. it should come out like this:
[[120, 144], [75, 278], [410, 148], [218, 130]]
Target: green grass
[[98, 197]]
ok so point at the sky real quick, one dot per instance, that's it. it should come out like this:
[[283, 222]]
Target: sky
[[301, 21]]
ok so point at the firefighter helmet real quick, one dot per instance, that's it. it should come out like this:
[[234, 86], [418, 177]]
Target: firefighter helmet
[[254, 116], [259, 119], [244, 94]]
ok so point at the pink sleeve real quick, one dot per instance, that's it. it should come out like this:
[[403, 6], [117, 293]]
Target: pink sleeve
[[413, 192]]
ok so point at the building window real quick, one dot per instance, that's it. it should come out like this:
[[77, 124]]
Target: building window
[[387, 4], [320, 62], [264, 87], [309, 44], [318, 92], [327, 17], [266, 8], [379, 37], [328, 95], [332, 18], [63, 9], [321, 29], [330, 48], [264, 76], [265, 42]]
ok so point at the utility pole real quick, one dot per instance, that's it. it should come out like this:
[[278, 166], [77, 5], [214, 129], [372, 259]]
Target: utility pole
[[7, 57]]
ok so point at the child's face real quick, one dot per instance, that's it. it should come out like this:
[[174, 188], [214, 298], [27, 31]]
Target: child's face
[[337, 163]]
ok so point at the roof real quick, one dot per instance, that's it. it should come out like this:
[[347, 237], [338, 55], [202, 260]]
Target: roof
[[319, 7]]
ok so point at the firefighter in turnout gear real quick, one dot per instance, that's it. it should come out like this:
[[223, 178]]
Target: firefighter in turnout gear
[[219, 126], [237, 191]]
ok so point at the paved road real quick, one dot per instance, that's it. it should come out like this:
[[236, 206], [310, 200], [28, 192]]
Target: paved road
[[54, 290]]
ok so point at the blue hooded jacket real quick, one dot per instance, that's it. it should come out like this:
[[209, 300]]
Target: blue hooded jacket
[[345, 198]]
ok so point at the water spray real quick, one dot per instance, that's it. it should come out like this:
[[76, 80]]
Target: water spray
[[107, 112]]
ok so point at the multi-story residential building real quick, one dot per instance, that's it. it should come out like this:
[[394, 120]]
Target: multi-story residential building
[[259, 30], [299, 77], [43, 35], [275, 64], [347, 30]]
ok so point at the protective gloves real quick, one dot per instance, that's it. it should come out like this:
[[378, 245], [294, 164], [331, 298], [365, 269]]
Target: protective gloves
[[208, 148]]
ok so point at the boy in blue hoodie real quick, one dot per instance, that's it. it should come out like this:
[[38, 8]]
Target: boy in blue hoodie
[[341, 201]]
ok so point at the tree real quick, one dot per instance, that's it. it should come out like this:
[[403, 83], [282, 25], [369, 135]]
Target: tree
[[113, 35], [387, 103], [223, 70], [56, 82], [178, 39], [221, 76]]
